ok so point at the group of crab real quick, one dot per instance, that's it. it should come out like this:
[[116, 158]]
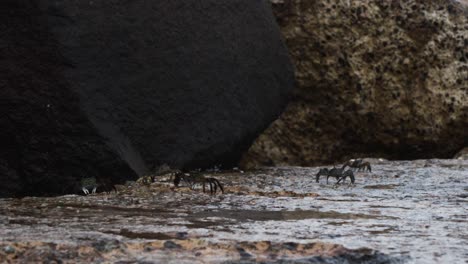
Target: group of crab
[[89, 185], [340, 174], [191, 178]]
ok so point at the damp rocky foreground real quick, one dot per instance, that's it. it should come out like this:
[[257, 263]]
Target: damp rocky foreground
[[401, 212]]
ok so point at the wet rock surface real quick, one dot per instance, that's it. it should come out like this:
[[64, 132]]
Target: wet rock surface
[[402, 211], [375, 78]]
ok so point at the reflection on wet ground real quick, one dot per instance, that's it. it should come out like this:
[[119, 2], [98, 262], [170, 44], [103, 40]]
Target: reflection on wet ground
[[409, 211]]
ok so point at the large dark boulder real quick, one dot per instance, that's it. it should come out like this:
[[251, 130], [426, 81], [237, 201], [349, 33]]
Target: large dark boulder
[[189, 82], [46, 141], [103, 86]]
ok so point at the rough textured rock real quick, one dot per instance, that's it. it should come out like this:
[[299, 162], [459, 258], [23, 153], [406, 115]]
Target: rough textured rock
[[386, 78], [462, 154], [93, 88]]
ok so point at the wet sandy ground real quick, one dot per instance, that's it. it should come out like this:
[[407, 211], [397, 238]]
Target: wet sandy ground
[[401, 212]]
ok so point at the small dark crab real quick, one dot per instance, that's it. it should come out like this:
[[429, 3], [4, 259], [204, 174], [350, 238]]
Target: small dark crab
[[196, 177], [334, 172], [353, 163], [338, 173], [365, 166], [344, 175], [146, 180], [91, 185], [358, 164], [321, 172]]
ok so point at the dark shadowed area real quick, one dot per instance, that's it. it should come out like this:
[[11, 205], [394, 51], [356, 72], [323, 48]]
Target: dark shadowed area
[[47, 142], [187, 83], [112, 89]]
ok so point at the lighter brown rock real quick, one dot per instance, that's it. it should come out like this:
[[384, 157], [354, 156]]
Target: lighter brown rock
[[375, 78]]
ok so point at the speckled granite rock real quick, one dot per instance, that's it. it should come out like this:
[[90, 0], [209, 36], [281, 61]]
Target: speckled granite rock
[[387, 78]]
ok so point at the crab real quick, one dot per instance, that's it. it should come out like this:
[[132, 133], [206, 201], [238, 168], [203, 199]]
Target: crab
[[90, 185], [344, 175], [321, 172], [358, 164], [161, 173], [338, 173], [334, 172], [365, 166], [353, 163], [146, 180], [196, 177]]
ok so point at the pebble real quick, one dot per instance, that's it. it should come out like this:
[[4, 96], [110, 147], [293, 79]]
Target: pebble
[[171, 245], [9, 249]]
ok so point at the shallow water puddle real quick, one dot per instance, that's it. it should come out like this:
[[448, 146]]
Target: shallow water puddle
[[251, 215], [382, 186]]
